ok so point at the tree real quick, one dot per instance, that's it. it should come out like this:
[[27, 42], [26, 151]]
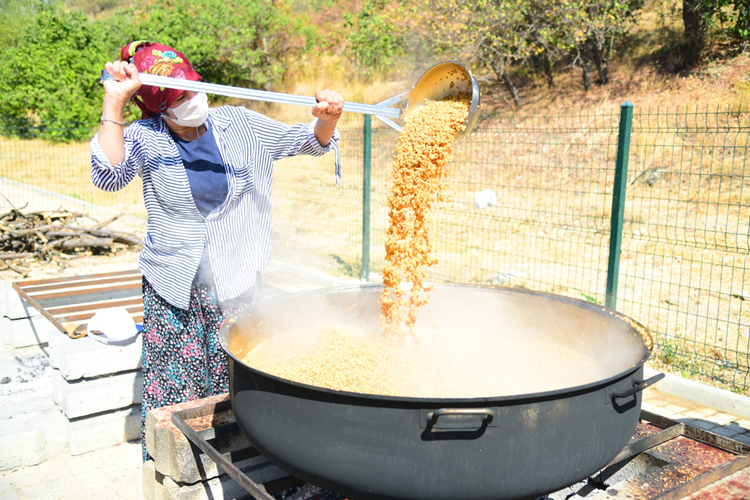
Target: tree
[[696, 18], [734, 19], [238, 42], [699, 17], [488, 33], [604, 22], [556, 28], [373, 40], [51, 75], [498, 35], [51, 72], [15, 15]]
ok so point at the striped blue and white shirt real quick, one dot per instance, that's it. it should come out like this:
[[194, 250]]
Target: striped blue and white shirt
[[237, 233]]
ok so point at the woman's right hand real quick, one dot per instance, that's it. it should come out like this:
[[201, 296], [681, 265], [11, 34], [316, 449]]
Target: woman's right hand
[[125, 81], [117, 92]]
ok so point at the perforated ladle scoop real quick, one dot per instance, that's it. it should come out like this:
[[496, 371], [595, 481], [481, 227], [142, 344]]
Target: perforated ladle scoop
[[446, 79]]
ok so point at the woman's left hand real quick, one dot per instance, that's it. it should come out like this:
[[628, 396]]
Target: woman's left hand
[[330, 105]]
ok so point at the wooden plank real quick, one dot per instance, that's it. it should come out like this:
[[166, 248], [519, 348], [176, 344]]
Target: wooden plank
[[75, 299], [72, 285], [63, 310], [92, 298], [84, 292], [25, 284]]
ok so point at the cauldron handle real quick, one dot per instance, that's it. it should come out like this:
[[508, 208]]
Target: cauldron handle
[[638, 386], [430, 418]]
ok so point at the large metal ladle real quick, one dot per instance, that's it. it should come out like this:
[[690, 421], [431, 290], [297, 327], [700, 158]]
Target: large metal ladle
[[444, 80]]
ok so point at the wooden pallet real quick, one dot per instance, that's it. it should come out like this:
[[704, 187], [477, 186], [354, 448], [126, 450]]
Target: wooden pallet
[[69, 303]]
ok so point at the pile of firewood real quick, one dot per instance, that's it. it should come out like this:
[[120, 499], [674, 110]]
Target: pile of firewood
[[55, 236]]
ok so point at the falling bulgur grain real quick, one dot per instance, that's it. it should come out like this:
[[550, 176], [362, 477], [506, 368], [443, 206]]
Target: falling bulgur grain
[[423, 151]]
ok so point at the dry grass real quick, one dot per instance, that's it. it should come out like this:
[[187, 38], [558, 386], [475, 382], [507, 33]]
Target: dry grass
[[64, 169], [304, 78]]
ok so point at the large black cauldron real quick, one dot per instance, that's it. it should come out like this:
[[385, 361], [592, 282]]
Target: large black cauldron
[[375, 447]]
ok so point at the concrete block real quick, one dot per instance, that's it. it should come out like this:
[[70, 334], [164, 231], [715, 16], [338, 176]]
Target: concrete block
[[90, 396], [157, 486], [31, 438], [29, 405], [87, 358], [24, 332], [742, 438], [704, 395], [13, 306], [32, 426], [725, 431], [148, 480], [22, 325], [102, 431], [26, 400]]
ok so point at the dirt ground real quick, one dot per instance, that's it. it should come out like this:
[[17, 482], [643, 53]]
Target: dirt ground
[[77, 265]]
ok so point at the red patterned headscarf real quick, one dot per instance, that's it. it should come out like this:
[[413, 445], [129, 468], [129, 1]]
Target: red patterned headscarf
[[157, 59]]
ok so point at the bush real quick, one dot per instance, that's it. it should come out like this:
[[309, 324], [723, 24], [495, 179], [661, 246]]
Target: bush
[[51, 75], [238, 42], [374, 43], [15, 15]]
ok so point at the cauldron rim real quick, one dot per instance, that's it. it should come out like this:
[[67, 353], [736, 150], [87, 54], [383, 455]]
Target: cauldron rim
[[514, 398]]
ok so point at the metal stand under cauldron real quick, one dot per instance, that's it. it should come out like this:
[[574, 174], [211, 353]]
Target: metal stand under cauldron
[[665, 460]]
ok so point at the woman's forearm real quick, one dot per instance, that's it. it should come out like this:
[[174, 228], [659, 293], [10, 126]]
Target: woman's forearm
[[117, 92], [110, 133], [324, 131]]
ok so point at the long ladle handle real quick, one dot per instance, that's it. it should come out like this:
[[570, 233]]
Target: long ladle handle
[[255, 95]]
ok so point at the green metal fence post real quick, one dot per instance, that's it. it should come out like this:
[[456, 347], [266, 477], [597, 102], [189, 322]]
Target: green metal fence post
[[618, 203], [367, 167]]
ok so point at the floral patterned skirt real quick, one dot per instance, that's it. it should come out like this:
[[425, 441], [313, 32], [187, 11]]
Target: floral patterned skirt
[[182, 357]]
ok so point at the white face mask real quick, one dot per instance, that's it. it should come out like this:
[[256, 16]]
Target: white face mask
[[191, 113]]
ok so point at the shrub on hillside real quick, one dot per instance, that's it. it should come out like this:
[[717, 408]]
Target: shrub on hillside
[[374, 42], [242, 42], [48, 76]]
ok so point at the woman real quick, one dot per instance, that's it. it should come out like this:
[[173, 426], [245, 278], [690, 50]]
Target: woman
[[207, 188]]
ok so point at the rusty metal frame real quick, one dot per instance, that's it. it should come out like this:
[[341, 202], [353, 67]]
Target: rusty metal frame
[[71, 310], [224, 461], [712, 476], [672, 430]]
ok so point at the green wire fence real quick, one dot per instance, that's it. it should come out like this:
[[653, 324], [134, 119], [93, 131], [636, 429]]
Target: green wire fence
[[646, 211]]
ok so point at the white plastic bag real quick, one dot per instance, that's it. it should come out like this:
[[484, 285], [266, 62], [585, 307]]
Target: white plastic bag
[[484, 198]]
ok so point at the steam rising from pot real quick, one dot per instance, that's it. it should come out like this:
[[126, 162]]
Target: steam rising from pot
[[471, 342]]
